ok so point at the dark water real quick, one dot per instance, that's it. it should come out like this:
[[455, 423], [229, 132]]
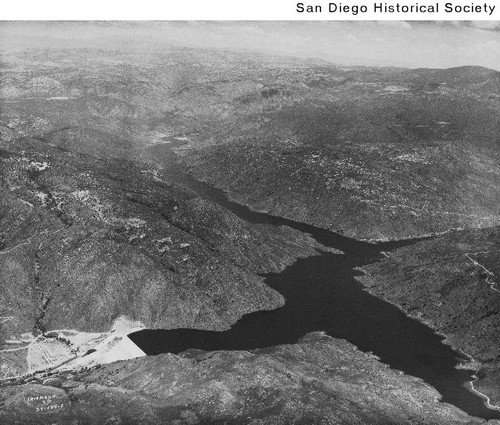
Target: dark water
[[322, 295]]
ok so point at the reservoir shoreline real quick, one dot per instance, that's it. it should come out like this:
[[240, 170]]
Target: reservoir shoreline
[[323, 294]]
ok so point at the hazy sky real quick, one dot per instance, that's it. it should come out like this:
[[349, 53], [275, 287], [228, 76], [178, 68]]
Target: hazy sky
[[383, 43]]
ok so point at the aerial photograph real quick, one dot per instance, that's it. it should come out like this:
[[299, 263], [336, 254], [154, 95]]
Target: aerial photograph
[[249, 222]]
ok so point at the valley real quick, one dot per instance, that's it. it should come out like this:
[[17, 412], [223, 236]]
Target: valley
[[210, 236]]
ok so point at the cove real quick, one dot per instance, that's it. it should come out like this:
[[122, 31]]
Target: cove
[[322, 294]]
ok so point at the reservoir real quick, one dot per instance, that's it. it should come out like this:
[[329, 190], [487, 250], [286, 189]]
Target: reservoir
[[322, 294]]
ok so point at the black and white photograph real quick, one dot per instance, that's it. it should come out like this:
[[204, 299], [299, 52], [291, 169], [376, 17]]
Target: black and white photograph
[[249, 222]]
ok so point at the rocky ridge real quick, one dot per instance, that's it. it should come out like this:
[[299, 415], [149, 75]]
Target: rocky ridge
[[317, 380]]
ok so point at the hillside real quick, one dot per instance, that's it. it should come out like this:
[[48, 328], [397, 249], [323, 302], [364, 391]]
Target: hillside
[[375, 153], [98, 238], [452, 283], [317, 380], [87, 241]]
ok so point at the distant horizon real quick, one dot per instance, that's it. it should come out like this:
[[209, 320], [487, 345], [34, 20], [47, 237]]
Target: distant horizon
[[398, 44]]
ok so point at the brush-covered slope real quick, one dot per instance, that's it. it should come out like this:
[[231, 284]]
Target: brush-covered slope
[[371, 152], [85, 241], [318, 380], [452, 283]]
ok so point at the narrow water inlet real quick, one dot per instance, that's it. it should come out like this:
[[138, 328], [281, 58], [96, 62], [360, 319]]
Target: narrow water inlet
[[322, 294]]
